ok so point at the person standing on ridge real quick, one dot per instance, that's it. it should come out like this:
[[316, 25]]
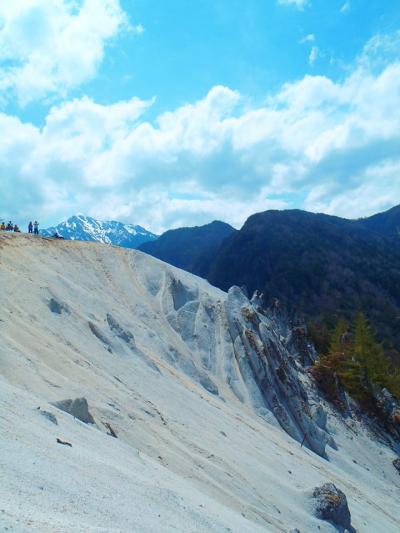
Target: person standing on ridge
[[30, 227], [36, 227], [2, 227]]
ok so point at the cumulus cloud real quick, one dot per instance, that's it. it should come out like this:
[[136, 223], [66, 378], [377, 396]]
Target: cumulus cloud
[[324, 145], [299, 4], [50, 46]]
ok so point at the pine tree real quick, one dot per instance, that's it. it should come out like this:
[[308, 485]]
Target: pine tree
[[370, 354], [338, 339]]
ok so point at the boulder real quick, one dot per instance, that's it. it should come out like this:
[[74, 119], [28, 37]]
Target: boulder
[[57, 307], [396, 464], [331, 505], [78, 408]]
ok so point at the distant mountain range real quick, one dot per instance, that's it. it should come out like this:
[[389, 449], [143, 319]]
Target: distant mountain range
[[319, 266], [83, 228], [191, 249]]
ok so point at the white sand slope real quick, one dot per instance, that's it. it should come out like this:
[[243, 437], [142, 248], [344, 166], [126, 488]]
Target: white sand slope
[[151, 349]]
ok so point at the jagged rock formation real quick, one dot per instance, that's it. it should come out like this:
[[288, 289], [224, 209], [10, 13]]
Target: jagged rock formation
[[265, 361], [78, 408], [258, 366]]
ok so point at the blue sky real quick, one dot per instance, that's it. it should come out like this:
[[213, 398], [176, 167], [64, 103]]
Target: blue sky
[[173, 112]]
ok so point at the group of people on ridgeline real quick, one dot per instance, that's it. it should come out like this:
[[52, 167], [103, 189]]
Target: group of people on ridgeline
[[32, 227]]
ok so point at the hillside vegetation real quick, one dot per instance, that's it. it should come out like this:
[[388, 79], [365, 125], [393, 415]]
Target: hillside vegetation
[[190, 248]]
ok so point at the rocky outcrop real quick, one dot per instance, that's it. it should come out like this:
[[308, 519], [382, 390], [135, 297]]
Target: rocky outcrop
[[120, 332], [396, 464], [100, 335], [263, 358], [389, 408], [78, 408], [240, 342], [330, 504]]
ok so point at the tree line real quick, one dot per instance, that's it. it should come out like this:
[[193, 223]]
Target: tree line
[[357, 363]]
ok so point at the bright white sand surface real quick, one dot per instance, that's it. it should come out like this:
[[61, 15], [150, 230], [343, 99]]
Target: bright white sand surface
[[135, 337]]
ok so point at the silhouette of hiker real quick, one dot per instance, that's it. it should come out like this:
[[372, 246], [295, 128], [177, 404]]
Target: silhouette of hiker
[[36, 227], [30, 227]]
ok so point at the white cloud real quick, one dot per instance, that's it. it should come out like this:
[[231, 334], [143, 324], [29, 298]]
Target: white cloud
[[310, 38], [50, 46], [139, 29], [375, 188], [314, 53], [336, 144], [299, 4], [345, 7]]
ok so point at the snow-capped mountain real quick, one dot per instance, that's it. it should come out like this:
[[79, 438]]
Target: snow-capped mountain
[[83, 228]]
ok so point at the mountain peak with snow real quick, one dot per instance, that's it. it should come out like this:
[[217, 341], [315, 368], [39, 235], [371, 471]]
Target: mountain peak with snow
[[80, 227]]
